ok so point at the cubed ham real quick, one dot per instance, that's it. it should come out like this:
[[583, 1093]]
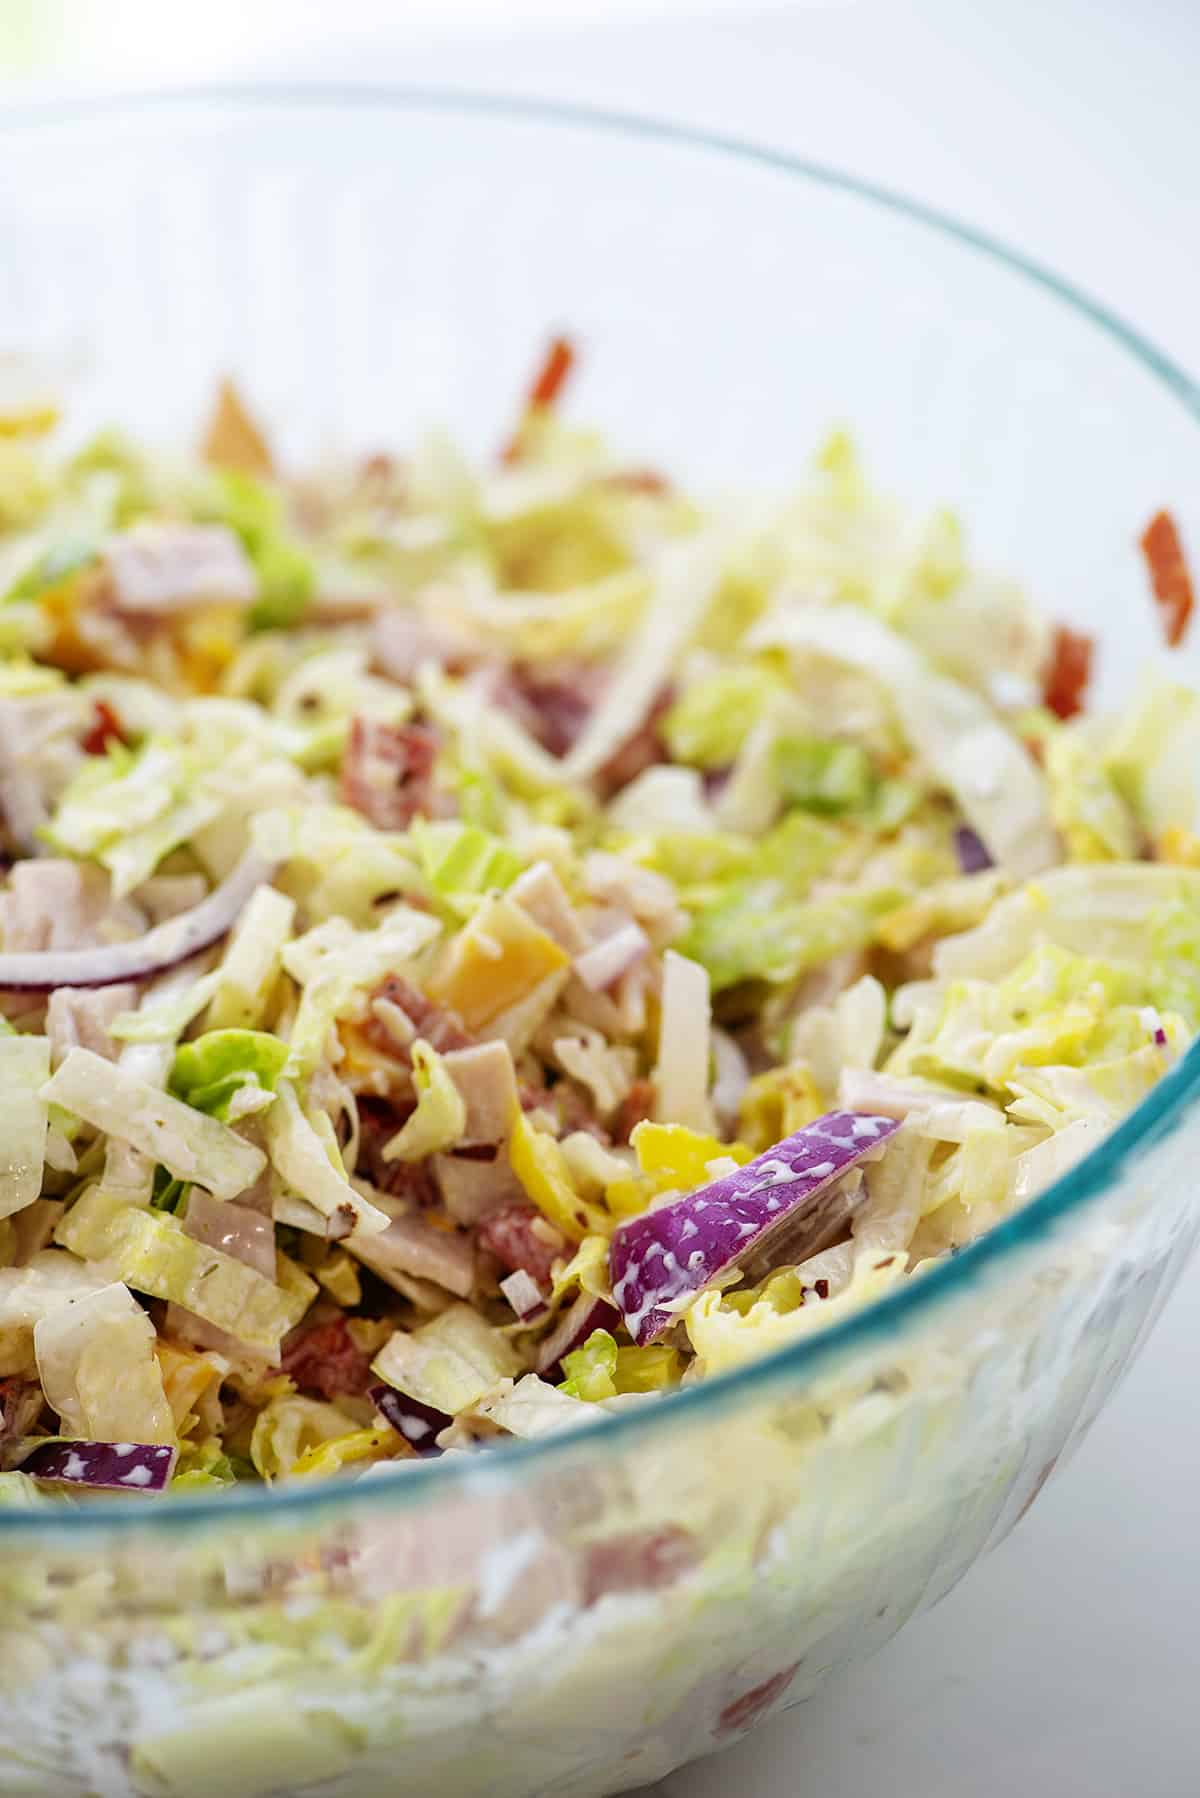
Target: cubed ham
[[387, 773], [541, 895], [80, 1018], [487, 1082], [402, 643], [155, 569], [241, 1230], [471, 1188], [53, 904]]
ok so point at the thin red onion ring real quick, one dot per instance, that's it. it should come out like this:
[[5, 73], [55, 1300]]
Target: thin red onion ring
[[161, 948]]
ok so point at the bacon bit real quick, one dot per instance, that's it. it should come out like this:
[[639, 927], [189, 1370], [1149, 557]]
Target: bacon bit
[[1066, 678], [326, 1359], [646, 748], [517, 1236], [106, 728], [1169, 575], [554, 709], [547, 384], [387, 772], [378, 1122], [635, 1108], [745, 1711], [551, 376], [232, 439], [440, 1027]]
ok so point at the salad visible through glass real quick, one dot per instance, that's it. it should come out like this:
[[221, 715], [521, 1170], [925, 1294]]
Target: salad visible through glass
[[483, 946]]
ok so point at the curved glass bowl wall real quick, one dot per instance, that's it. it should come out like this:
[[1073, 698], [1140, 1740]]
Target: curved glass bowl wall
[[579, 1616]]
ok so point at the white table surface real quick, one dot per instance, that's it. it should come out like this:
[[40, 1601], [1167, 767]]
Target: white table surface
[[1066, 1666]]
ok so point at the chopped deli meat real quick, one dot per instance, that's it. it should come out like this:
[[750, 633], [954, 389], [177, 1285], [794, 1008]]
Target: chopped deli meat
[[156, 569], [235, 1226], [81, 1017], [441, 906], [487, 1084], [423, 1250], [402, 644], [1065, 682], [387, 773], [325, 1359], [1170, 575], [521, 1239], [541, 895], [55, 904], [471, 1187]]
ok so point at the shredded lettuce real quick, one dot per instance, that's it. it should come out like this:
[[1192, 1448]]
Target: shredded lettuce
[[710, 721], [192, 1146], [211, 1072], [304, 1153], [24, 1070], [152, 1253], [448, 1363], [441, 1114], [96, 1362]]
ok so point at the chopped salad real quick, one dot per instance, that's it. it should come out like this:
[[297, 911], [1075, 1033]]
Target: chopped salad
[[483, 946]]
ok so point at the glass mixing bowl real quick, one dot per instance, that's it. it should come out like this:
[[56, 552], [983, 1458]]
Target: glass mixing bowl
[[579, 1615]]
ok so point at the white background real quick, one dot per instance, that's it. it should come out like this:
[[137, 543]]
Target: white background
[[1068, 1665]]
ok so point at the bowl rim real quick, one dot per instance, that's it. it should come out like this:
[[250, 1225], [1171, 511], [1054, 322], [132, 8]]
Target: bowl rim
[[1068, 1199]]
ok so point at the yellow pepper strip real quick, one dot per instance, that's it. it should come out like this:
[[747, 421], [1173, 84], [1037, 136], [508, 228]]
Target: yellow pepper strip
[[541, 1167]]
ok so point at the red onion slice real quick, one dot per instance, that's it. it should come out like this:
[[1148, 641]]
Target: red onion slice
[[572, 1330], [669, 1254], [523, 1294], [161, 948], [419, 1424], [103, 1466]]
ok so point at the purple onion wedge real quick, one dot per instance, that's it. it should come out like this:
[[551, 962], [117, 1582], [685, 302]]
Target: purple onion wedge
[[178, 939], [103, 1466], [971, 850], [788, 1193], [420, 1425], [572, 1331]]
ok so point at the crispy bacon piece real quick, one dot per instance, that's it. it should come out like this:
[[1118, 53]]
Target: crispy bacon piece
[[1170, 576], [1066, 678], [547, 384], [441, 1028], [634, 1109], [378, 1122], [105, 728], [520, 1238], [327, 1360], [644, 749], [387, 772]]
